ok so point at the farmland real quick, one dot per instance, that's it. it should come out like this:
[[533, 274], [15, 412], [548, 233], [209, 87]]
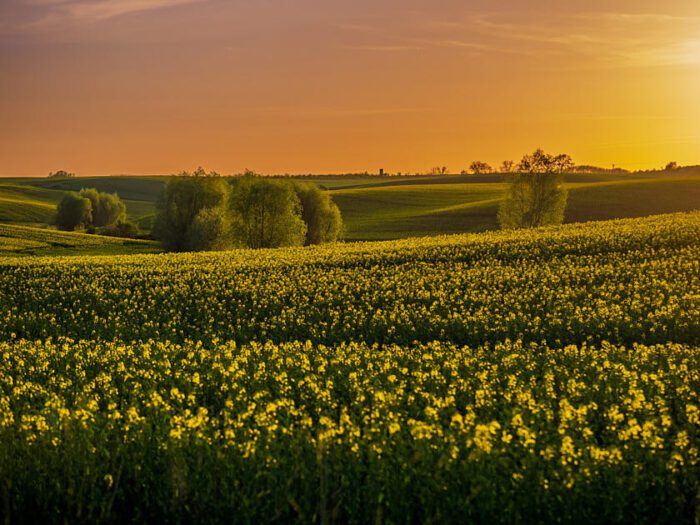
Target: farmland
[[27, 241], [385, 208], [540, 375]]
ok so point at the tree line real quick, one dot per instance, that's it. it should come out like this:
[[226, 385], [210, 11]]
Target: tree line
[[203, 211]]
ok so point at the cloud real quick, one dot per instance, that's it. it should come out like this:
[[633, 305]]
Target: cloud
[[57, 11], [593, 40], [610, 39]]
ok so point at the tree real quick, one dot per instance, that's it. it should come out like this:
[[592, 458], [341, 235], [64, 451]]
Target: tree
[[321, 215], [266, 213], [210, 230], [507, 166], [183, 198], [536, 196], [438, 170], [61, 174], [541, 162], [73, 211], [107, 209], [478, 167], [671, 166]]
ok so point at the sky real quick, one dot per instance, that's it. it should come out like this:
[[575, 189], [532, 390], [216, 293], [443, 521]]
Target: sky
[[332, 86]]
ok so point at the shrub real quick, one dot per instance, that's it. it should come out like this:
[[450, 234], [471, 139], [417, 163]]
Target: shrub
[[124, 229]]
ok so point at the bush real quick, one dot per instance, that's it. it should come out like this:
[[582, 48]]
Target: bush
[[265, 213], [73, 211], [321, 215], [126, 229]]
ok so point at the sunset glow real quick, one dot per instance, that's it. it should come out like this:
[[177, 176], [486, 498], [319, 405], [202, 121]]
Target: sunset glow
[[158, 86]]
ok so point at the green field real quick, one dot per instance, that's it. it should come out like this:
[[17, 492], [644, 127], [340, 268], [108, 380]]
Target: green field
[[530, 376], [384, 208], [16, 240], [33, 200]]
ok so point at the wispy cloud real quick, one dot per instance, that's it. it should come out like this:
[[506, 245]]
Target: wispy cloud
[[58, 11], [610, 39], [606, 39]]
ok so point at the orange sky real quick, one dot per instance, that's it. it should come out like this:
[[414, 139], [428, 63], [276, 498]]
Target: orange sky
[[158, 86]]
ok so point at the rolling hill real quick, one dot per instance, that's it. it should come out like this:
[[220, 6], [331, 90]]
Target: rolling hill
[[384, 208], [16, 240]]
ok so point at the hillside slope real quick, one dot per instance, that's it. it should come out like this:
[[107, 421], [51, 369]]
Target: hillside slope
[[379, 208], [16, 240]]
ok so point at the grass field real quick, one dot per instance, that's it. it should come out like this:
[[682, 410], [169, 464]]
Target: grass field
[[26, 241], [453, 204], [33, 201], [383, 208], [536, 376]]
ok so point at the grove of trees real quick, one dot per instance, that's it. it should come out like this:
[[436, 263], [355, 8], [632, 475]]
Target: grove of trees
[[536, 196], [89, 209], [202, 211]]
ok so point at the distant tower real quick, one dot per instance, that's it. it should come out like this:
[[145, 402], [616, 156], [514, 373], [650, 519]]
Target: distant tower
[[381, 171]]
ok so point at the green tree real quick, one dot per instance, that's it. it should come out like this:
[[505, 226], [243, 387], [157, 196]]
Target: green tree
[[322, 216], [210, 230], [265, 213], [536, 196], [182, 200], [107, 208], [73, 211]]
